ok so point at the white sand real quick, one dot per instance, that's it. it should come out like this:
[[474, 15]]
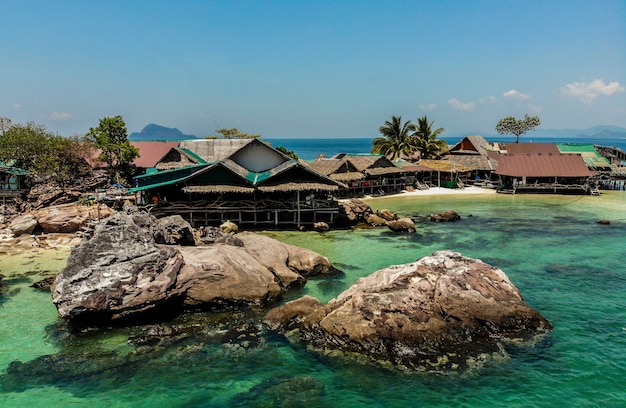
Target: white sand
[[441, 191]]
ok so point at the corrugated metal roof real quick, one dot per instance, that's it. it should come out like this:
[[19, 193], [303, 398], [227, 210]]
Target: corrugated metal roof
[[543, 165], [589, 153], [532, 148], [151, 152], [213, 150]]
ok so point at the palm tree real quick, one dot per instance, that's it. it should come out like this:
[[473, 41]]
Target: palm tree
[[426, 139], [396, 139]]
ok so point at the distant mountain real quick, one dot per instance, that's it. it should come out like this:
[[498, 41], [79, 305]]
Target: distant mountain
[[600, 132], [156, 132], [597, 132]]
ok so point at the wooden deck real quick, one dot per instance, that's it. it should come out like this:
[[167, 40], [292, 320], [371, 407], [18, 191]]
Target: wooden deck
[[252, 214]]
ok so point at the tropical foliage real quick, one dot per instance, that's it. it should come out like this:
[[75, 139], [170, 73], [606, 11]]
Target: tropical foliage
[[33, 148], [396, 139], [111, 137], [510, 125], [400, 139], [426, 139], [287, 152], [233, 133]]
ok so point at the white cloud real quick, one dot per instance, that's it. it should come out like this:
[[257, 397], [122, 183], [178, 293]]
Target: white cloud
[[17, 106], [516, 95], [534, 108], [463, 106], [587, 92], [430, 106], [61, 116]]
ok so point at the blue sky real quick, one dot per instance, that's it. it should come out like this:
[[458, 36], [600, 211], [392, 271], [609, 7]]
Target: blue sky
[[295, 69]]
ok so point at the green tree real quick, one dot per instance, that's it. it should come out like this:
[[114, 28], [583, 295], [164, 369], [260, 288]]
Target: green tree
[[396, 139], [510, 125], [426, 139], [111, 137], [233, 133], [287, 152], [31, 147]]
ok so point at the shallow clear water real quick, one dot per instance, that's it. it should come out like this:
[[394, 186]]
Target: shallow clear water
[[566, 265]]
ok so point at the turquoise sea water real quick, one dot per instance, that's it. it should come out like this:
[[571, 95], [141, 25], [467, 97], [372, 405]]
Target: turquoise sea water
[[570, 268]]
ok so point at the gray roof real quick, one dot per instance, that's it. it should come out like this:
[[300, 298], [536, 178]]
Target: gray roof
[[213, 150]]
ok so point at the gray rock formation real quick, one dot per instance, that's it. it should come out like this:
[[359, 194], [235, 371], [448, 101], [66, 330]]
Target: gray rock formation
[[174, 230], [444, 311], [121, 272]]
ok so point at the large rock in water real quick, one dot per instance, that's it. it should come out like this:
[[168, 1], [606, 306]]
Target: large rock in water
[[440, 312], [121, 272]]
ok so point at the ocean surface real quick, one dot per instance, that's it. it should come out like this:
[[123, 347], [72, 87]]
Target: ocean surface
[[565, 264], [310, 149]]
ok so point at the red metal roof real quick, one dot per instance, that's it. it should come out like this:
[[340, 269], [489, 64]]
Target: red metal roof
[[543, 165], [151, 152], [533, 148]]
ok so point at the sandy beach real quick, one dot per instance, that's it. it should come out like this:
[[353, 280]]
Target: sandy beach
[[440, 191]]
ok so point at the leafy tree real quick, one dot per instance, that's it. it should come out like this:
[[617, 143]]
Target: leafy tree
[[426, 139], [43, 153], [287, 152], [517, 127], [111, 137], [233, 133], [396, 139]]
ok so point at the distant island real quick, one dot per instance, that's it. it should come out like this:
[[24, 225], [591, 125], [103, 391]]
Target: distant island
[[157, 132]]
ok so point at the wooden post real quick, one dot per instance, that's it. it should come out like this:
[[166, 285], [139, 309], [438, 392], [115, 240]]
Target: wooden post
[[298, 206]]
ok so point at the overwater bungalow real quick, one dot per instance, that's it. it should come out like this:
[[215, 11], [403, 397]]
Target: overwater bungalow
[[242, 180], [545, 173]]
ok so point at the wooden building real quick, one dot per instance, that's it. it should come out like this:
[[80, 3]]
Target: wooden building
[[244, 181], [476, 155], [11, 182], [544, 173]]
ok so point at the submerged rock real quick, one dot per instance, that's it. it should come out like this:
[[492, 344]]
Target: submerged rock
[[401, 225], [442, 311], [121, 272], [445, 216]]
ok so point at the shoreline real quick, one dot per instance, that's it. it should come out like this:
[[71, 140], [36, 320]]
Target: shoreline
[[436, 191]]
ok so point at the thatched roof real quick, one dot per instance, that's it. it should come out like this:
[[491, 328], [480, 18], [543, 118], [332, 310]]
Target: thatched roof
[[217, 188], [299, 187], [381, 171], [349, 176], [444, 166], [474, 162]]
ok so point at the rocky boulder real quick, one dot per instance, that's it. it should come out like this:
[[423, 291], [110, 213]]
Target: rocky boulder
[[69, 217], [121, 272], [401, 225], [443, 311], [355, 211], [23, 224], [174, 230], [445, 216]]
